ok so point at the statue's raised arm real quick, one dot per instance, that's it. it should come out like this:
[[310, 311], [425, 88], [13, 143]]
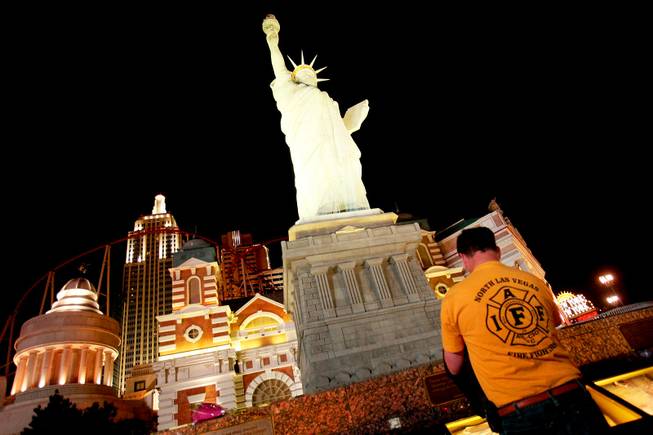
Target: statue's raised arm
[[271, 29]]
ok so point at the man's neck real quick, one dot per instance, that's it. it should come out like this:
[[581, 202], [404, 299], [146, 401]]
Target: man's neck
[[481, 257]]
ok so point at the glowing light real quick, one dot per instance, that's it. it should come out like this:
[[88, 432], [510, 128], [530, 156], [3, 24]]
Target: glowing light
[[394, 423], [155, 400], [159, 204], [563, 296], [606, 279], [612, 299], [263, 341]]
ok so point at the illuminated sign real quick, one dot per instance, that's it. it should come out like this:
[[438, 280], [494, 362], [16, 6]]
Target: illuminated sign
[[574, 305]]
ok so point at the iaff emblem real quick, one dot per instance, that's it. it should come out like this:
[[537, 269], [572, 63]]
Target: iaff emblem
[[516, 318]]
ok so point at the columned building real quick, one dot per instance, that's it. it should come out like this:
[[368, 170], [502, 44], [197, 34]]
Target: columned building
[[73, 343], [147, 286], [72, 349]]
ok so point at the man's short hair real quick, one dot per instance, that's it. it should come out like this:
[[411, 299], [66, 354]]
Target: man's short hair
[[476, 239]]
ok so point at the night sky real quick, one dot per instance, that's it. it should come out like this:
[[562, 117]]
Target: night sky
[[542, 109]]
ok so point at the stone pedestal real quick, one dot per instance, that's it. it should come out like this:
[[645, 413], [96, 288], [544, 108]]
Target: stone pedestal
[[361, 304]]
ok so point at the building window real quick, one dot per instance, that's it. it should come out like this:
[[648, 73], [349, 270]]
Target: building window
[[139, 386], [283, 358], [248, 364], [266, 361], [194, 291], [193, 334], [442, 290]]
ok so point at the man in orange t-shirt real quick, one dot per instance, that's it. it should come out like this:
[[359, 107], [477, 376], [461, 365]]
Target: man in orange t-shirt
[[506, 318]]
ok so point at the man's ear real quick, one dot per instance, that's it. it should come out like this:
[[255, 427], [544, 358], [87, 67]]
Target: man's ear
[[465, 260]]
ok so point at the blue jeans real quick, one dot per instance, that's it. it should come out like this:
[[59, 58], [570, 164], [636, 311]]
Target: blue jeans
[[573, 413]]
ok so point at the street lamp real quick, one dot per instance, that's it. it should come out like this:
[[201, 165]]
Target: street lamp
[[612, 300], [608, 281]]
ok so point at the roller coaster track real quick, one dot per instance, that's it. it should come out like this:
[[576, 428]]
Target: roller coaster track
[[8, 329], [10, 323]]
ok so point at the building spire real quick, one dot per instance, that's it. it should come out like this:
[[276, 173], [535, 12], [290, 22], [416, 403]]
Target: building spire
[[159, 204], [494, 205]]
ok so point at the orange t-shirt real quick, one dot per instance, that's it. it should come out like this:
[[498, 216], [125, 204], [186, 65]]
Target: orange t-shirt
[[505, 318]]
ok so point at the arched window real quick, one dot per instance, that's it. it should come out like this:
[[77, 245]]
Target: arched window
[[270, 391], [194, 290], [261, 323]]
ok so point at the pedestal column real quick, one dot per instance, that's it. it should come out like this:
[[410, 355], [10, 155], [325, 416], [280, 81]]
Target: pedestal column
[[381, 285], [64, 365], [20, 374], [30, 372], [407, 280], [320, 274], [81, 374], [97, 372], [353, 291], [108, 369], [46, 368]]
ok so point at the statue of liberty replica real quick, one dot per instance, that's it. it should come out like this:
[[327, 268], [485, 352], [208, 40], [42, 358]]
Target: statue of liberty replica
[[359, 299], [325, 158]]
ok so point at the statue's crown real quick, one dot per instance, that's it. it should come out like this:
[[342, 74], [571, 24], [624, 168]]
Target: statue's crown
[[304, 66], [298, 68]]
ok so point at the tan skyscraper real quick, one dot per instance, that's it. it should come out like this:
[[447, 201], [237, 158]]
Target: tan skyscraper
[[147, 286]]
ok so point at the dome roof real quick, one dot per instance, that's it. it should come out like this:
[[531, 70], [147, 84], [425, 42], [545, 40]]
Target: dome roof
[[79, 283], [77, 295]]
